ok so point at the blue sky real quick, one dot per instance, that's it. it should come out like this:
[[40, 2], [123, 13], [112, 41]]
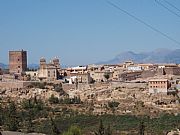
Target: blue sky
[[83, 31]]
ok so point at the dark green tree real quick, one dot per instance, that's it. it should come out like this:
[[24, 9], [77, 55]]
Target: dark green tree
[[107, 75], [108, 130], [141, 128], [1, 115], [29, 119], [54, 129], [101, 130], [53, 99], [11, 121], [113, 104]]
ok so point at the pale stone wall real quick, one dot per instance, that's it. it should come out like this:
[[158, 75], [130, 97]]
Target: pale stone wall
[[129, 85], [14, 84], [68, 86]]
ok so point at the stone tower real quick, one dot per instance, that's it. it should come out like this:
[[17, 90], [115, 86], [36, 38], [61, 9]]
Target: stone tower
[[17, 61], [42, 63], [56, 62]]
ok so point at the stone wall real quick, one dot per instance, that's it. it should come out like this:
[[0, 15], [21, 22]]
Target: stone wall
[[14, 84], [129, 85], [172, 70], [68, 86], [148, 73]]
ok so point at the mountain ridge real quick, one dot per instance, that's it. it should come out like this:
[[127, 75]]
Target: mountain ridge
[[160, 55]]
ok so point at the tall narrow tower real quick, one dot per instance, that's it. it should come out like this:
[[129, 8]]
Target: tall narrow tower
[[17, 61]]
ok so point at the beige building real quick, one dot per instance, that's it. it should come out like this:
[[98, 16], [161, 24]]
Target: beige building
[[32, 74], [80, 77], [98, 76], [49, 71], [171, 69], [148, 66], [158, 85], [78, 69], [116, 73], [128, 63]]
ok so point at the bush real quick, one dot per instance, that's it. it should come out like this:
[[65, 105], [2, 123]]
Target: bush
[[73, 130], [113, 104], [40, 85], [53, 99], [75, 100]]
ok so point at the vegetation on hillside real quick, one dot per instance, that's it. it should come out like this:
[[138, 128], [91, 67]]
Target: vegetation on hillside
[[33, 115]]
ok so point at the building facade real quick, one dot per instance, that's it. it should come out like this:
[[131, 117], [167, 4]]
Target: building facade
[[49, 71], [80, 77], [158, 85]]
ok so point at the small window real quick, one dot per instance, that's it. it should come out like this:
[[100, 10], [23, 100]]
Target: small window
[[49, 74]]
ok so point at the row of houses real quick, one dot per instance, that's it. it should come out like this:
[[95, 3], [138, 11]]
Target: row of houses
[[96, 73]]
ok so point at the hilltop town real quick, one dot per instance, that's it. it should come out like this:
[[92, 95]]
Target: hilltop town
[[121, 89]]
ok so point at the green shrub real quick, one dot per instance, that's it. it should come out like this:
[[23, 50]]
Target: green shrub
[[53, 99]]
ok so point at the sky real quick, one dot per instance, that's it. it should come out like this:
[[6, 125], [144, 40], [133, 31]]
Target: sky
[[81, 32]]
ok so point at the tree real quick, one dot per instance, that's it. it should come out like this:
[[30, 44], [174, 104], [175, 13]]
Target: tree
[[29, 124], [73, 130], [107, 75], [58, 87], [113, 104], [53, 99], [54, 129], [108, 131], [40, 85], [141, 128], [11, 119], [1, 115], [102, 130]]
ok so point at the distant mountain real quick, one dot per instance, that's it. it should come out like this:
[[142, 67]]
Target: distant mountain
[[156, 56], [30, 66], [33, 66], [3, 66]]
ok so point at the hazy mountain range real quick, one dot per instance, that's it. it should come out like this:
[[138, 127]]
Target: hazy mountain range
[[156, 56], [31, 66], [4, 66]]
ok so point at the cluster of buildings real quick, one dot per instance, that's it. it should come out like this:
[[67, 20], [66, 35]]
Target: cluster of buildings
[[159, 77]]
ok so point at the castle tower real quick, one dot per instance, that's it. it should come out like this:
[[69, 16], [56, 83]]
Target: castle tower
[[17, 61], [56, 62], [42, 63]]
